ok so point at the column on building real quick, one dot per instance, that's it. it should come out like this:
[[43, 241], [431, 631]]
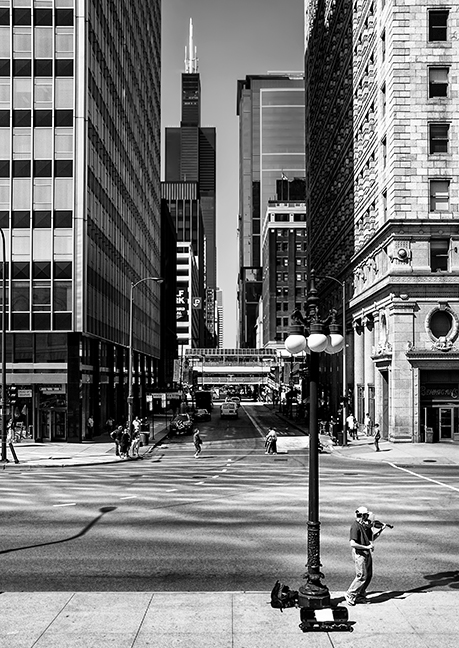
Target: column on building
[[359, 366], [401, 406], [369, 372]]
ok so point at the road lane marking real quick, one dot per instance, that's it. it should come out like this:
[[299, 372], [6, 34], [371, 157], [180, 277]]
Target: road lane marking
[[69, 504], [128, 497], [215, 477], [429, 479]]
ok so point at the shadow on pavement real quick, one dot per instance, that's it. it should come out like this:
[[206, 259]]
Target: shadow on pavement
[[450, 578], [103, 510]]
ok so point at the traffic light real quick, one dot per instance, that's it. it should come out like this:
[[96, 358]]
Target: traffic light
[[13, 394]]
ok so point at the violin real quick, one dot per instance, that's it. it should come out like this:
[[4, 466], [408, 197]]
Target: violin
[[379, 525]]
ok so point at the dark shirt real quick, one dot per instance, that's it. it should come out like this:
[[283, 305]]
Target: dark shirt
[[361, 535]]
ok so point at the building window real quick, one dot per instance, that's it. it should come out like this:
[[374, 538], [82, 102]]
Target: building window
[[22, 42], [439, 195], [43, 96], [439, 255], [383, 46], [438, 82], [438, 138], [438, 25], [384, 151], [384, 205], [383, 99], [43, 42]]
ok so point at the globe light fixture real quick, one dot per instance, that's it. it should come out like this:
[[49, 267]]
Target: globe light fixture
[[295, 343], [335, 343]]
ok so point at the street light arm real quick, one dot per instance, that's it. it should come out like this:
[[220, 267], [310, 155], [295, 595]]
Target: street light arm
[[158, 280]]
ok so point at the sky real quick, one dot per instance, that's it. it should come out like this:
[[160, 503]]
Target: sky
[[234, 38]]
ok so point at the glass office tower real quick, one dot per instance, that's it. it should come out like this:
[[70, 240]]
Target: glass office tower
[[79, 206]]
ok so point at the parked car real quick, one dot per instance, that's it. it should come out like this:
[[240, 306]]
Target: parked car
[[229, 410], [182, 424], [202, 415]]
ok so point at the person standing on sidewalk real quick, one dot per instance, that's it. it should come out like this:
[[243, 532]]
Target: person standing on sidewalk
[[125, 443], [377, 437], [197, 443], [361, 538], [367, 423], [116, 436], [9, 440], [352, 426]]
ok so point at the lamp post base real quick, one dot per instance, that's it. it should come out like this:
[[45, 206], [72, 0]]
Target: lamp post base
[[314, 595]]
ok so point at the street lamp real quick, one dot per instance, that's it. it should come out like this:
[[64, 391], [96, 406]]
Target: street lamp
[[4, 458], [322, 336], [158, 280]]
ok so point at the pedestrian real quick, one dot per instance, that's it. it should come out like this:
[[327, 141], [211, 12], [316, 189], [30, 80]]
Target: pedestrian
[[271, 441], [109, 425], [9, 440], [361, 538], [352, 426], [377, 437], [90, 427], [135, 444], [367, 423], [197, 443], [116, 436], [125, 442], [136, 423]]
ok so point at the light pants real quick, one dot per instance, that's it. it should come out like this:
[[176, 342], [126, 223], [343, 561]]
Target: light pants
[[363, 574]]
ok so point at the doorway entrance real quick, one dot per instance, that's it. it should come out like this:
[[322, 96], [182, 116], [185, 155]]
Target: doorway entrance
[[53, 424], [444, 421]]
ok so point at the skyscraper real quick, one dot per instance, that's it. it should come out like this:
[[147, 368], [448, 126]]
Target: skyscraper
[[191, 157], [80, 205], [271, 147]]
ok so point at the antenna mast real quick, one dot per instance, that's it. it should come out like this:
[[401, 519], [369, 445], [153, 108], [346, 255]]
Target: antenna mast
[[191, 59]]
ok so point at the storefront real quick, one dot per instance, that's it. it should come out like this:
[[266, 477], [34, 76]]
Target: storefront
[[439, 410]]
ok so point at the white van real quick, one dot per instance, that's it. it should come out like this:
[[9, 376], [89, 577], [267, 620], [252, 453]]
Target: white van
[[229, 410]]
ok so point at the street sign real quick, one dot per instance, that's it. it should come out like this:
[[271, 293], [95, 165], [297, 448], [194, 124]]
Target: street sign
[[24, 393]]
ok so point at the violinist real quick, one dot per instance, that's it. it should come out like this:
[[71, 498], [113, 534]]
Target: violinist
[[363, 532]]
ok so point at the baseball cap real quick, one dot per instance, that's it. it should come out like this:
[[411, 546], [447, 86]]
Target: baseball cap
[[361, 510]]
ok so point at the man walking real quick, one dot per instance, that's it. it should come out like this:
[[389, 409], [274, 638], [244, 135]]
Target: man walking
[[197, 443], [361, 538], [377, 437]]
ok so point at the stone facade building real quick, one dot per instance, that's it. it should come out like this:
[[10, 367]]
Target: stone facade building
[[382, 200]]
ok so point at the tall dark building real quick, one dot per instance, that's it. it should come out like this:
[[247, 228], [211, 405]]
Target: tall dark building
[[191, 157], [270, 108], [80, 207]]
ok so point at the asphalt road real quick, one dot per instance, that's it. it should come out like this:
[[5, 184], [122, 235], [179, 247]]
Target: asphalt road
[[234, 519]]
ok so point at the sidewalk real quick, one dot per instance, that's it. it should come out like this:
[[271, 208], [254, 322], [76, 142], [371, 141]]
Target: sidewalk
[[217, 620], [99, 451], [408, 454]]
